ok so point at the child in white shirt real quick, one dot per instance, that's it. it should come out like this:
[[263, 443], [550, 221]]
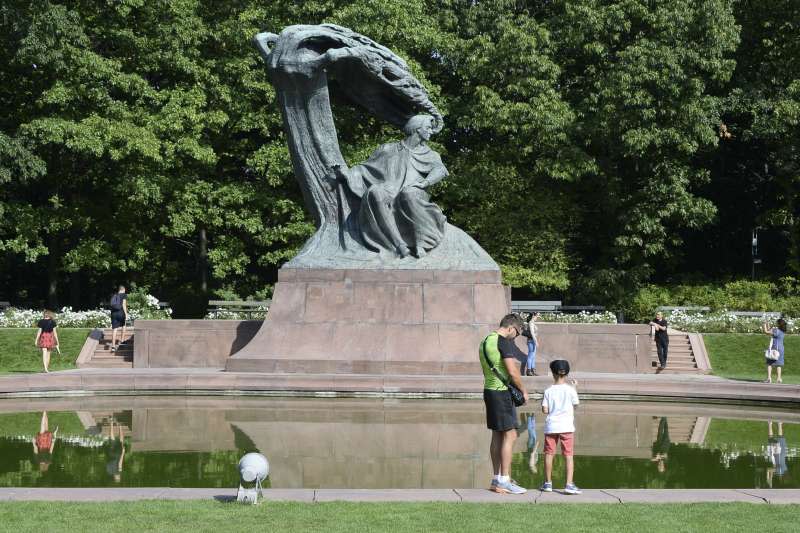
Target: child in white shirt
[[558, 403]]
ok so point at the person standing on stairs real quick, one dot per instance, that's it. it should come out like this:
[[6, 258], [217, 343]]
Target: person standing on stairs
[[119, 316], [659, 324]]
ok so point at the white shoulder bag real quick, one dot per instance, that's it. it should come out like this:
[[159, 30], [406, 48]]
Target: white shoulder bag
[[770, 353]]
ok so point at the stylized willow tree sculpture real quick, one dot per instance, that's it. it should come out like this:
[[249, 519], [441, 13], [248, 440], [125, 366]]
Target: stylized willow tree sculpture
[[299, 62]]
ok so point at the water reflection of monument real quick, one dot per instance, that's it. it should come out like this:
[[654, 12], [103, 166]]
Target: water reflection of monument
[[380, 444]]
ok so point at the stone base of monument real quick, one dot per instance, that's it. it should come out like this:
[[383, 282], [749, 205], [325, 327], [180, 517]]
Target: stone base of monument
[[376, 322]]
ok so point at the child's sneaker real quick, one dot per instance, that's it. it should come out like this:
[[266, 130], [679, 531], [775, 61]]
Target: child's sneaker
[[547, 486], [509, 487], [572, 489]]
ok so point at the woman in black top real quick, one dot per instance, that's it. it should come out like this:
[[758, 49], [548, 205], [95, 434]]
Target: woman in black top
[[662, 340], [46, 337]]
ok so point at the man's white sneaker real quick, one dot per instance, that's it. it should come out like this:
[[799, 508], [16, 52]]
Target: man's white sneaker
[[509, 487]]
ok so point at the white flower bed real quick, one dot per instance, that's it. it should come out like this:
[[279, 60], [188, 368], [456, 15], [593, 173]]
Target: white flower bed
[[721, 322], [84, 441], [584, 317], [94, 318], [258, 313]]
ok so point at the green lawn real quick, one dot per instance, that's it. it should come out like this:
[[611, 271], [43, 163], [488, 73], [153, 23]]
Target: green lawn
[[16, 424], [200, 516], [746, 435], [741, 356], [19, 354]]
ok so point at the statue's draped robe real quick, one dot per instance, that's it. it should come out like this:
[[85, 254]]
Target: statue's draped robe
[[389, 176]]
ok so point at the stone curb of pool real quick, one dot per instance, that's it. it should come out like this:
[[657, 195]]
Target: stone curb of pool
[[596, 496], [211, 381]]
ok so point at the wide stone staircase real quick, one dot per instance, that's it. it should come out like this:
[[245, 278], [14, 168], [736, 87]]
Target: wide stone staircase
[[96, 352], [684, 429], [681, 358]]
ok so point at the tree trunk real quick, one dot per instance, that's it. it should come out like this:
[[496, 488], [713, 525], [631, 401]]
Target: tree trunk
[[202, 262], [52, 271]]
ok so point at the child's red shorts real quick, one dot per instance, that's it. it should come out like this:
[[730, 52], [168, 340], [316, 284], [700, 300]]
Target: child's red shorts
[[551, 441]]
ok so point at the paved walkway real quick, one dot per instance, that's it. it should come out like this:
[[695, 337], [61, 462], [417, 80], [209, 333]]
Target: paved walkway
[[211, 381], [612, 496]]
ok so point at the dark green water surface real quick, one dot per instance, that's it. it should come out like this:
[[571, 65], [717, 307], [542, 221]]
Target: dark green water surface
[[372, 443]]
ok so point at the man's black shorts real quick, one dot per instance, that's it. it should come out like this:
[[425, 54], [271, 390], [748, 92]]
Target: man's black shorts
[[501, 413]]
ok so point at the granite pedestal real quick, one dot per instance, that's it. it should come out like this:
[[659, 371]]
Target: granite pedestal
[[375, 322]]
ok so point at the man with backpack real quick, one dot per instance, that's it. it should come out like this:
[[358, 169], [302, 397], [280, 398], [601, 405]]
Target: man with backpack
[[119, 316]]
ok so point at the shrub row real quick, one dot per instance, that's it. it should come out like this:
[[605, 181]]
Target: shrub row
[[782, 296]]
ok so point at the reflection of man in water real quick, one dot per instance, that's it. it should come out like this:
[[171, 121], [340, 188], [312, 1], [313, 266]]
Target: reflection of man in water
[[661, 445], [776, 448], [117, 452], [43, 444]]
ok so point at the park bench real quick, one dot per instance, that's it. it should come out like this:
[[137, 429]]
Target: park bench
[[579, 308], [554, 306], [758, 314], [685, 308], [239, 306], [534, 306]]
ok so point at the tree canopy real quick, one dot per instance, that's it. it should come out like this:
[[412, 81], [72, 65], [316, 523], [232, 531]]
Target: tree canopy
[[594, 146]]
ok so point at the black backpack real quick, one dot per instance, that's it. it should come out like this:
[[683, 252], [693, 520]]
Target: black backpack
[[116, 302]]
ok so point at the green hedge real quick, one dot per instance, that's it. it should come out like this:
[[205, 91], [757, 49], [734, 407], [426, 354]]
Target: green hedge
[[742, 295]]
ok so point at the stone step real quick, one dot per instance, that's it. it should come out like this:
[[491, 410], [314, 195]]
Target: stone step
[[103, 363], [107, 349], [112, 357]]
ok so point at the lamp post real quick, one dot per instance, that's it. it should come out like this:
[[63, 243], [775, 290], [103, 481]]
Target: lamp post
[[754, 254], [253, 469]]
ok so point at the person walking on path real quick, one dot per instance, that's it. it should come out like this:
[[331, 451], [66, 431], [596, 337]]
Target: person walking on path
[[119, 316], [558, 403], [46, 338], [533, 345], [777, 333], [501, 413], [659, 325]]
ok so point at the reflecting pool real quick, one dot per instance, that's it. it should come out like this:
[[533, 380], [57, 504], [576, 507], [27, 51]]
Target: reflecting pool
[[195, 441]]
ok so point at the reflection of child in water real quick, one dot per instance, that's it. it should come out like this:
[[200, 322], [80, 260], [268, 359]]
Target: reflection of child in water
[[43, 444], [117, 451], [776, 448], [661, 445]]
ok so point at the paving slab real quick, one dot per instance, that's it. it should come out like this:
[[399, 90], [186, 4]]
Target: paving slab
[[487, 496], [775, 496], [587, 496], [212, 379], [100, 494], [682, 495], [386, 495], [54, 381], [597, 496]]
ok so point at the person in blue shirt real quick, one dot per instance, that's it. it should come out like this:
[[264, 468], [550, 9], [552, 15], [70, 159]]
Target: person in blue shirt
[[777, 333]]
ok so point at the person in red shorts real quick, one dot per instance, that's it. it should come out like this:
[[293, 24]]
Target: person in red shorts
[[46, 338], [558, 403]]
